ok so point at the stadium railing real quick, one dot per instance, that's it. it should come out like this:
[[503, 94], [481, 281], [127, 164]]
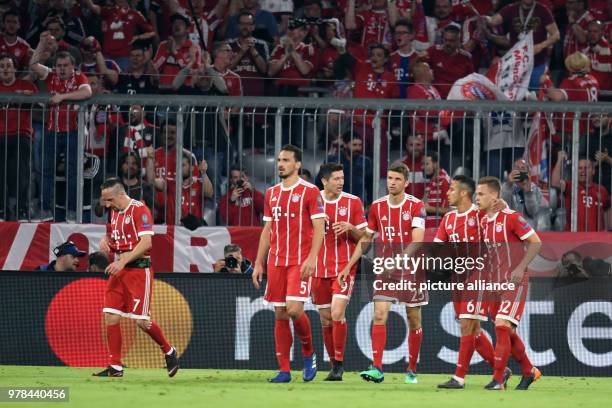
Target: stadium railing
[[475, 138]]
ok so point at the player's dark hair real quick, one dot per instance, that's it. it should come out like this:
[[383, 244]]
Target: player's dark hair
[[112, 182], [99, 259], [466, 183], [167, 122], [243, 14], [434, 156], [404, 23], [327, 169], [399, 168], [374, 46], [492, 182], [11, 12], [297, 152]]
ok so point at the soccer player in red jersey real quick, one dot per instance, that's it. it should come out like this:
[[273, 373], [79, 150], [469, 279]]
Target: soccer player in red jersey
[[344, 228], [398, 218], [463, 225], [292, 237], [130, 286], [503, 232]]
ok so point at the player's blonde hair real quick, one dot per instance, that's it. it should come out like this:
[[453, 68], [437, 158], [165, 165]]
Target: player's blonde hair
[[578, 62]]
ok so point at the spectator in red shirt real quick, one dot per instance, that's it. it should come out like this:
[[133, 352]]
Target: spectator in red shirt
[[208, 21], [64, 84], [176, 53], [251, 55], [578, 19], [15, 140], [448, 61], [242, 205], [414, 159], [438, 182], [94, 62], [292, 60], [11, 43], [523, 16], [599, 52], [578, 86], [121, 25], [593, 199], [423, 122], [374, 23]]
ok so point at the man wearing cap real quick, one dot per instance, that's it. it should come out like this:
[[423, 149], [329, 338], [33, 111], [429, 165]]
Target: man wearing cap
[[67, 258]]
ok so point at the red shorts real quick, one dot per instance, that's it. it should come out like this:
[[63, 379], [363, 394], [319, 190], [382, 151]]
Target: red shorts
[[510, 305], [387, 289], [325, 289], [128, 293], [472, 309], [284, 283]]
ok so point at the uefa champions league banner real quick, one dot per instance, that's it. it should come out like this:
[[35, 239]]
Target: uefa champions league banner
[[220, 322], [177, 249]]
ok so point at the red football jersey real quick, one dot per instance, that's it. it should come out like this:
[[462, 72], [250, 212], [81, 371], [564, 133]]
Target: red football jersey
[[592, 206], [460, 227], [448, 68], [20, 50], [191, 200], [128, 226], [290, 211], [580, 88], [436, 196], [233, 83], [400, 66], [337, 250], [502, 233], [394, 223], [289, 74], [169, 65], [423, 122], [16, 120], [63, 117], [374, 26], [369, 84], [119, 26]]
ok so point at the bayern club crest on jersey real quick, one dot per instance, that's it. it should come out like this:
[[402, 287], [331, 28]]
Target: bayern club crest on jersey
[[127, 219], [471, 222], [295, 198], [498, 228], [342, 211], [405, 215]]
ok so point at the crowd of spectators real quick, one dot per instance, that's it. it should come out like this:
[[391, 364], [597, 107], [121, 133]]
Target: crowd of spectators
[[345, 48]]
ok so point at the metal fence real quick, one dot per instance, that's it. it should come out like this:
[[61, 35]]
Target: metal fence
[[51, 175]]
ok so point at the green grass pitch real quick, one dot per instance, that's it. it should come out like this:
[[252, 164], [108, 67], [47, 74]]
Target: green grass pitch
[[151, 388]]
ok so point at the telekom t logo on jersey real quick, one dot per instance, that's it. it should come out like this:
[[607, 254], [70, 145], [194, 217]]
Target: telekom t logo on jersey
[[276, 213], [390, 232]]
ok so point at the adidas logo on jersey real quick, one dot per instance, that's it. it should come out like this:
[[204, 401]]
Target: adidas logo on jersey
[[384, 218]]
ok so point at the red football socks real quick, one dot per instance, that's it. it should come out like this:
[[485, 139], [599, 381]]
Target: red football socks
[[518, 353], [502, 352], [328, 339], [379, 340], [415, 338], [302, 330], [157, 335], [283, 340], [466, 350], [340, 333], [113, 336], [485, 348]]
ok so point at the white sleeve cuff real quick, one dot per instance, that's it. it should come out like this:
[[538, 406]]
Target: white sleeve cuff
[[418, 223], [527, 235], [143, 233], [267, 218], [370, 231], [361, 226], [314, 217]]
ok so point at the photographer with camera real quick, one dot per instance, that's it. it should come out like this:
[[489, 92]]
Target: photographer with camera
[[574, 265], [521, 193], [242, 205], [233, 261]]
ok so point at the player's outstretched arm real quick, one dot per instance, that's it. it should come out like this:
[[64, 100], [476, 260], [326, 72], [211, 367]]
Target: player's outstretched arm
[[145, 244], [308, 267], [364, 241], [534, 244], [262, 250]]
